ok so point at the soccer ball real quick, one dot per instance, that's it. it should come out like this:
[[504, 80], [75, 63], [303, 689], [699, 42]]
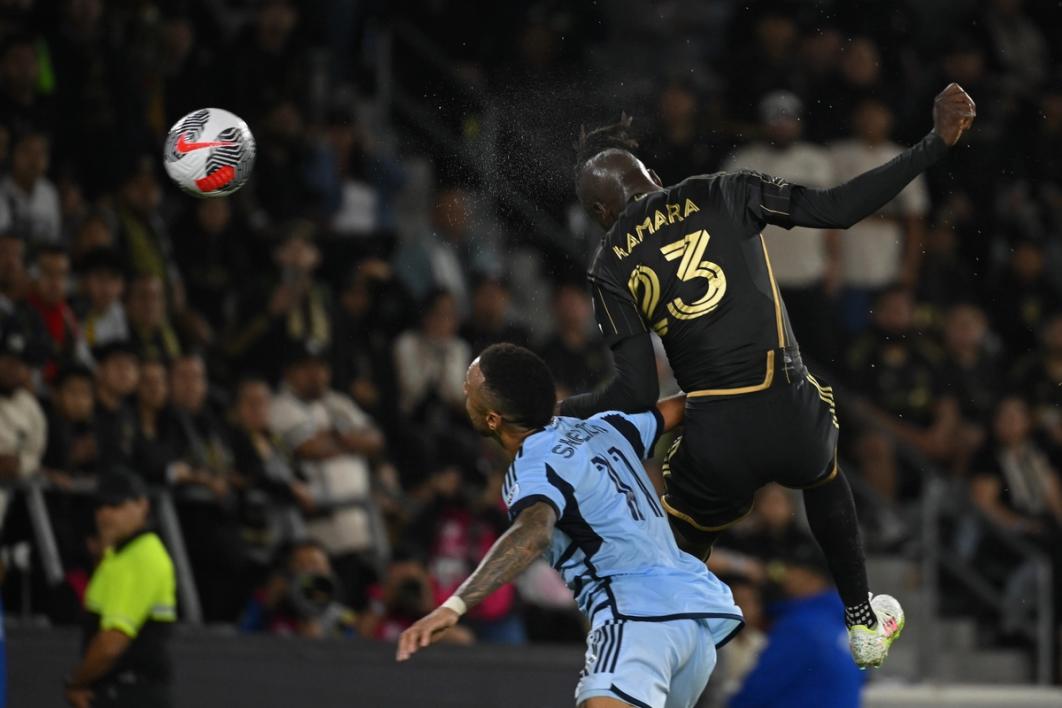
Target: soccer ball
[[209, 153]]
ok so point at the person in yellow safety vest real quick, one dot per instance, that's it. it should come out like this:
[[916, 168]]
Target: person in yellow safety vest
[[130, 607]]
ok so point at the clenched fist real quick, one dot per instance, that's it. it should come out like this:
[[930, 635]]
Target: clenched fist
[[953, 112]]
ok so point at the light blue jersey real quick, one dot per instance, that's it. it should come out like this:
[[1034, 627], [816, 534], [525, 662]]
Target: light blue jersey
[[612, 542]]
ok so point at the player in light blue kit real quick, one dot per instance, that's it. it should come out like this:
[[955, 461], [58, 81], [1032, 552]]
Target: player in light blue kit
[[577, 491]]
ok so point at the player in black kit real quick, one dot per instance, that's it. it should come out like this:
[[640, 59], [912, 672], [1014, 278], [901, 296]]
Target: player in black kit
[[689, 263]]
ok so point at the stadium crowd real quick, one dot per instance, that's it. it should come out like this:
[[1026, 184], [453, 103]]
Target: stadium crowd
[[289, 362]]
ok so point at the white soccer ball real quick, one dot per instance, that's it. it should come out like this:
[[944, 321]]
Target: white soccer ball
[[209, 153]]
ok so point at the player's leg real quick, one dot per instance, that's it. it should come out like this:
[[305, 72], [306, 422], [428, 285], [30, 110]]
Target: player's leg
[[629, 663], [831, 514], [689, 682], [698, 508], [832, 517]]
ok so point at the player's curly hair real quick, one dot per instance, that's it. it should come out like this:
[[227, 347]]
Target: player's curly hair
[[520, 383], [606, 137]]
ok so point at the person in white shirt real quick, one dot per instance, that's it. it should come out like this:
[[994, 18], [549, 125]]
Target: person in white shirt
[[430, 361], [23, 427], [805, 261], [29, 202], [333, 441], [885, 248]]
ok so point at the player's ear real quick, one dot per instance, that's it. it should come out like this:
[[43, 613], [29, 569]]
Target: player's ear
[[655, 177], [493, 420]]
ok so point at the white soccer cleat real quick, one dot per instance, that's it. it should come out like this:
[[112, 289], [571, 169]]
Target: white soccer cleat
[[871, 646]]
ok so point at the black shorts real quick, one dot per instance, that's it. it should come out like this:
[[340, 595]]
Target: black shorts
[[733, 445]]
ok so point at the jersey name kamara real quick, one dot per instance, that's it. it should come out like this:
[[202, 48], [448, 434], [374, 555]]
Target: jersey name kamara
[[658, 219]]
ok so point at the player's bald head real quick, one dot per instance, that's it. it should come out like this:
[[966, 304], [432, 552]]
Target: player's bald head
[[607, 173]]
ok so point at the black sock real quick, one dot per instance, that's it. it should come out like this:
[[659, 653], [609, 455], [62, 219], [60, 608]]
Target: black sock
[[860, 614], [832, 517]]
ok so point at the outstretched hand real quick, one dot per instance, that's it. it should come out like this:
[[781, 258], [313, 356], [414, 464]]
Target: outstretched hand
[[427, 630], [953, 113]]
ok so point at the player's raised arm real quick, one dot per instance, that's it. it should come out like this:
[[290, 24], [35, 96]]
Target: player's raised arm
[[847, 204], [634, 386], [512, 554]]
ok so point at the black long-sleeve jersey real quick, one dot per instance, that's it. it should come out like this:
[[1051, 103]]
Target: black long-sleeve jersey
[[689, 263]]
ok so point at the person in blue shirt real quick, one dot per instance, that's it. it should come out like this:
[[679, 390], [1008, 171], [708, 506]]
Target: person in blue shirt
[[577, 492], [806, 662]]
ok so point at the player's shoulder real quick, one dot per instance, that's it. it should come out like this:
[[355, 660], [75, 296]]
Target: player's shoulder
[[563, 439]]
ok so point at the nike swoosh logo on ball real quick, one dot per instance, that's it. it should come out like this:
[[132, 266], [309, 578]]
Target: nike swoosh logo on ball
[[184, 147]]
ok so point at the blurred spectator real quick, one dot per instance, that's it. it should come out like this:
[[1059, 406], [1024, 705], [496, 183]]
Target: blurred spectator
[[267, 64], [743, 651], [362, 182], [333, 441], [770, 527], [257, 452], [211, 255], [207, 504], [806, 661], [1024, 296], [887, 247], [805, 262], [449, 255], [301, 598], [201, 439], [401, 599], [490, 320], [29, 202], [156, 429], [14, 288], [283, 152], [71, 447], [372, 310], [772, 50], [679, 147], [578, 358], [971, 371], [946, 277], [143, 239], [103, 283], [51, 284], [117, 375], [1019, 47], [150, 330], [70, 459], [297, 307], [456, 532], [92, 232], [98, 103], [183, 66], [1016, 486], [431, 362], [1038, 378], [1014, 482], [22, 105], [24, 431], [1033, 159], [860, 78], [898, 373]]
